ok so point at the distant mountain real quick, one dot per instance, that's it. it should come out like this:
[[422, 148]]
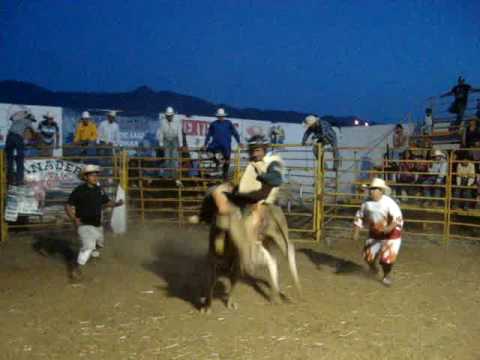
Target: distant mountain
[[142, 101]]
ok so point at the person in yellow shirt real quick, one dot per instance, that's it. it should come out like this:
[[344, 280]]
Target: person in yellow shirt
[[85, 134]]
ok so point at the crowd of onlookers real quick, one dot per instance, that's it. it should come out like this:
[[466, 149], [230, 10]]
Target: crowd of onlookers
[[164, 156], [419, 172]]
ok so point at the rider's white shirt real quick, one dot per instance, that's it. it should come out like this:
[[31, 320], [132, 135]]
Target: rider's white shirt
[[249, 182]]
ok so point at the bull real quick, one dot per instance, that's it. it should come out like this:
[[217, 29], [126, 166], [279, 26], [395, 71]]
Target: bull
[[246, 246]]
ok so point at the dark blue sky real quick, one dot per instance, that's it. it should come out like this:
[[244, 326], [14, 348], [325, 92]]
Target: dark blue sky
[[376, 59]]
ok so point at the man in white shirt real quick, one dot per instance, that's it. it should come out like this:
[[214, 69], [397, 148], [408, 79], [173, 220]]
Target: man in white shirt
[[168, 140], [464, 180], [108, 139], [437, 176], [384, 220], [109, 131]]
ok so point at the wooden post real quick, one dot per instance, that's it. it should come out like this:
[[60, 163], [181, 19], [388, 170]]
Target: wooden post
[[3, 194]]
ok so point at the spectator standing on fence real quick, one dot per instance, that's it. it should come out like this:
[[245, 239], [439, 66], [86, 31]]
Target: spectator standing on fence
[[460, 92], [84, 209], [22, 122], [399, 141], [220, 133], [168, 136], [49, 135], [465, 179], [384, 220], [437, 176], [85, 134], [472, 134]]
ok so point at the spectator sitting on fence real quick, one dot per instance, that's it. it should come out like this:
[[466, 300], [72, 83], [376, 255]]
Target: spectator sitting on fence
[[465, 179], [85, 135], [421, 172], [49, 134], [15, 143], [472, 134], [406, 176], [427, 127], [220, 133], [437, 175], [400, 142]]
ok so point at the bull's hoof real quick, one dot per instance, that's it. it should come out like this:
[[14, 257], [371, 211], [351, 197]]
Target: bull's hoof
[[194, 219], [276, 299], [232, 305], [207, 310]]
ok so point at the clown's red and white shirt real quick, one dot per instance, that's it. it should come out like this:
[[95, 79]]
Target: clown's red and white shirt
[[384, 210]]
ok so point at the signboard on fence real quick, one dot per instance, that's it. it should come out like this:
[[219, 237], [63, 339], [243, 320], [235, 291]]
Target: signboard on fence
[[46, 179]]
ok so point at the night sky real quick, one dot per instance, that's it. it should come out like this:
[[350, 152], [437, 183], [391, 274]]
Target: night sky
[[375, 59]]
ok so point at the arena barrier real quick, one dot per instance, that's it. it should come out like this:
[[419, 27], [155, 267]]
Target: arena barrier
[[318, 198], [440, 211]]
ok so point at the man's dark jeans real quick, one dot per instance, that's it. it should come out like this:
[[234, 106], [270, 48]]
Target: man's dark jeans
[[15, 142]]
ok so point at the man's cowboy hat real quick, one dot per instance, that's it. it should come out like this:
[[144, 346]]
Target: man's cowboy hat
[[221, 113], [88, 169], [112, 113], [169, 111], [85, 115], [378, 183], [49, 115], [439, 153], [310, 120], [22, 114]]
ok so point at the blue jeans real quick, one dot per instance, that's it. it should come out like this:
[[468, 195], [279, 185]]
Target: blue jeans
[[433, 191], [171, 155], [15, 142]]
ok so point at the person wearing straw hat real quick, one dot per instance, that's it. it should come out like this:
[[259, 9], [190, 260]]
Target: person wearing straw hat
[[323, 133], [84, 208], [437, 176], [220, 133], [49, 135], [22, 123], [383, 218], [168, 136]]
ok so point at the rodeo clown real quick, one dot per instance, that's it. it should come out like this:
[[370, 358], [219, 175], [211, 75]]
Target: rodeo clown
[[383, 218], [84, 209]]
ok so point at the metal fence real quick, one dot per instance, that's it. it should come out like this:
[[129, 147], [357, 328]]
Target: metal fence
[[438, 207], [318, 198]]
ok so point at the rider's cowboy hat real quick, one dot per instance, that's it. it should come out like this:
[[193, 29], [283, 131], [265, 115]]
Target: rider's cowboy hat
[[85, 115], [221, 113]]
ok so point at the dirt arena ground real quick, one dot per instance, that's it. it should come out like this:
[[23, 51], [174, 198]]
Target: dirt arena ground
[[138, 301]]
